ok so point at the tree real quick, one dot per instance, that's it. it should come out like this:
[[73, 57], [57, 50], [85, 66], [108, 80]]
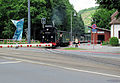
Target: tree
[[109, 4], [102, 17], [17, 9], [57, 10], [5, 23], [78, 26], [59, 13]]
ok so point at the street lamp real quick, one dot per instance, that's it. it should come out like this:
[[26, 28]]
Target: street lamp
[[71, 23], [29, 24]]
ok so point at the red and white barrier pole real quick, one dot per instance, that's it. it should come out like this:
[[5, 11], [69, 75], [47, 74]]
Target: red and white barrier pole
[[25, 45], [101, 43]]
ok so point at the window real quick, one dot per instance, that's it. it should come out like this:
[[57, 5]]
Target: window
[[119, 34]]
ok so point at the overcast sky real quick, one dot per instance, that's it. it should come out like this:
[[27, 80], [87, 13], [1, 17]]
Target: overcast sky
[[82, 4]]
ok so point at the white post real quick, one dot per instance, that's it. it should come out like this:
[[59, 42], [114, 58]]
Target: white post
[[93, 40]]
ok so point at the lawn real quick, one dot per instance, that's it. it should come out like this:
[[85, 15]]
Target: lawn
[[74, 49]]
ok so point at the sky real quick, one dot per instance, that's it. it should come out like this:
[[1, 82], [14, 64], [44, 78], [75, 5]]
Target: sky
[[82, 4]]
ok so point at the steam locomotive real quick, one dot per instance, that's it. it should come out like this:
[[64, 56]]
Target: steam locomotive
[[50, 34]]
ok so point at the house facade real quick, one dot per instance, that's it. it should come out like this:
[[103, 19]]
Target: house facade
[[115, 26], [115, 30], [100, 36]]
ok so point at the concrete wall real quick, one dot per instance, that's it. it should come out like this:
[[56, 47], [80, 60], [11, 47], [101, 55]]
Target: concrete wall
[[115, 32]]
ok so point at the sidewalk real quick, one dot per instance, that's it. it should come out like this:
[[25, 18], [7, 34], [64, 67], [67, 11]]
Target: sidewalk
[[99, 48]]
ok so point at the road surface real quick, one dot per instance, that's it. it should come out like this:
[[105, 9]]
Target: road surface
[[30, 65]]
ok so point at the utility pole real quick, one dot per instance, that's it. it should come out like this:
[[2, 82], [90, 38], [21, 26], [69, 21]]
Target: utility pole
[[29, 24], [71, 26]]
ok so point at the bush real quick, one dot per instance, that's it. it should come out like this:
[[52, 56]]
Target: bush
[[105, 43], [5, 41], [1, 42], [114, 41]]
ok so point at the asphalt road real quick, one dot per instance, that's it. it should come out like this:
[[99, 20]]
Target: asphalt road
[[29, 65]]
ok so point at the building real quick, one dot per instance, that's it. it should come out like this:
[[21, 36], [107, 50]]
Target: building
[[100, 35], [115, 26]]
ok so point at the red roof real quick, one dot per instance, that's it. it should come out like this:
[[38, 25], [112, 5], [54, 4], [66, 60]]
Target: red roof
[[100, 28], [115, 21], [113, 15], [113, 18]]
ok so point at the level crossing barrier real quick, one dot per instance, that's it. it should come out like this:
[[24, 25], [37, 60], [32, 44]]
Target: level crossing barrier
[[86, 43], [25, 45]]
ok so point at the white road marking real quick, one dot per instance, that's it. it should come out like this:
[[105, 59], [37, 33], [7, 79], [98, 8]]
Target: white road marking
[[108, 57], [10, 62], [66, 68], [54, 51]]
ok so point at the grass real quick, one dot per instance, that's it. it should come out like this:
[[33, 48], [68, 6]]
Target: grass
[[74, 49]]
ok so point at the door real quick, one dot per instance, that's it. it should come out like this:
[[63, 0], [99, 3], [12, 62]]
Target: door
[[101, 38]]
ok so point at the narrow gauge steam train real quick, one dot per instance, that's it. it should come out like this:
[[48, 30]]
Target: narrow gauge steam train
[[50, 34]]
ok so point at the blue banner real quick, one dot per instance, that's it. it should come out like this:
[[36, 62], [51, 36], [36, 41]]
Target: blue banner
[[19, 29]]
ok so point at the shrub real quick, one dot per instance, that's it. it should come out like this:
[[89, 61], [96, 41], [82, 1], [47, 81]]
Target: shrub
[[105, 43], [114, 41], [5, 41], [1, 42]]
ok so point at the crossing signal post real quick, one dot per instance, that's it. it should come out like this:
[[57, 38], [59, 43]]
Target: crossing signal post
[[43, 21]]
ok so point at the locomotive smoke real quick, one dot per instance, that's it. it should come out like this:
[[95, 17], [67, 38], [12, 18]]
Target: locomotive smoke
[[58, 16]]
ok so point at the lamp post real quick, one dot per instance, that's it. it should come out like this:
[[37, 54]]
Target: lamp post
[[71, 23], [29, 24]]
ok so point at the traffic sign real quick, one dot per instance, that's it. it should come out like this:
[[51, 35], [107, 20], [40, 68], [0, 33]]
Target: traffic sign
[[94, 26], [94, 30], [43, 20]]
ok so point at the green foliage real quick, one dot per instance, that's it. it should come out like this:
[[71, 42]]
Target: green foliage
[[114, 41], [1, 42], [17, 9], [5, 41], [86, 15], [78, 26], [89, 9], [105, 43], [74, 49], [23, 41], [102, 17], [58, 11], [109, 4]]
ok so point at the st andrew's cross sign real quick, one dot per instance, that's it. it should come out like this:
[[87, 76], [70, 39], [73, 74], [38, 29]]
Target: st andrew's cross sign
[[94, 26], [94, 30]]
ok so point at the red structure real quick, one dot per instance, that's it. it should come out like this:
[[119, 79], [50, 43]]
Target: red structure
[[100, 35]]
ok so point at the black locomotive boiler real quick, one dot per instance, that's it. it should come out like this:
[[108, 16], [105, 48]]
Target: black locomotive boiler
[[50, 34]]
